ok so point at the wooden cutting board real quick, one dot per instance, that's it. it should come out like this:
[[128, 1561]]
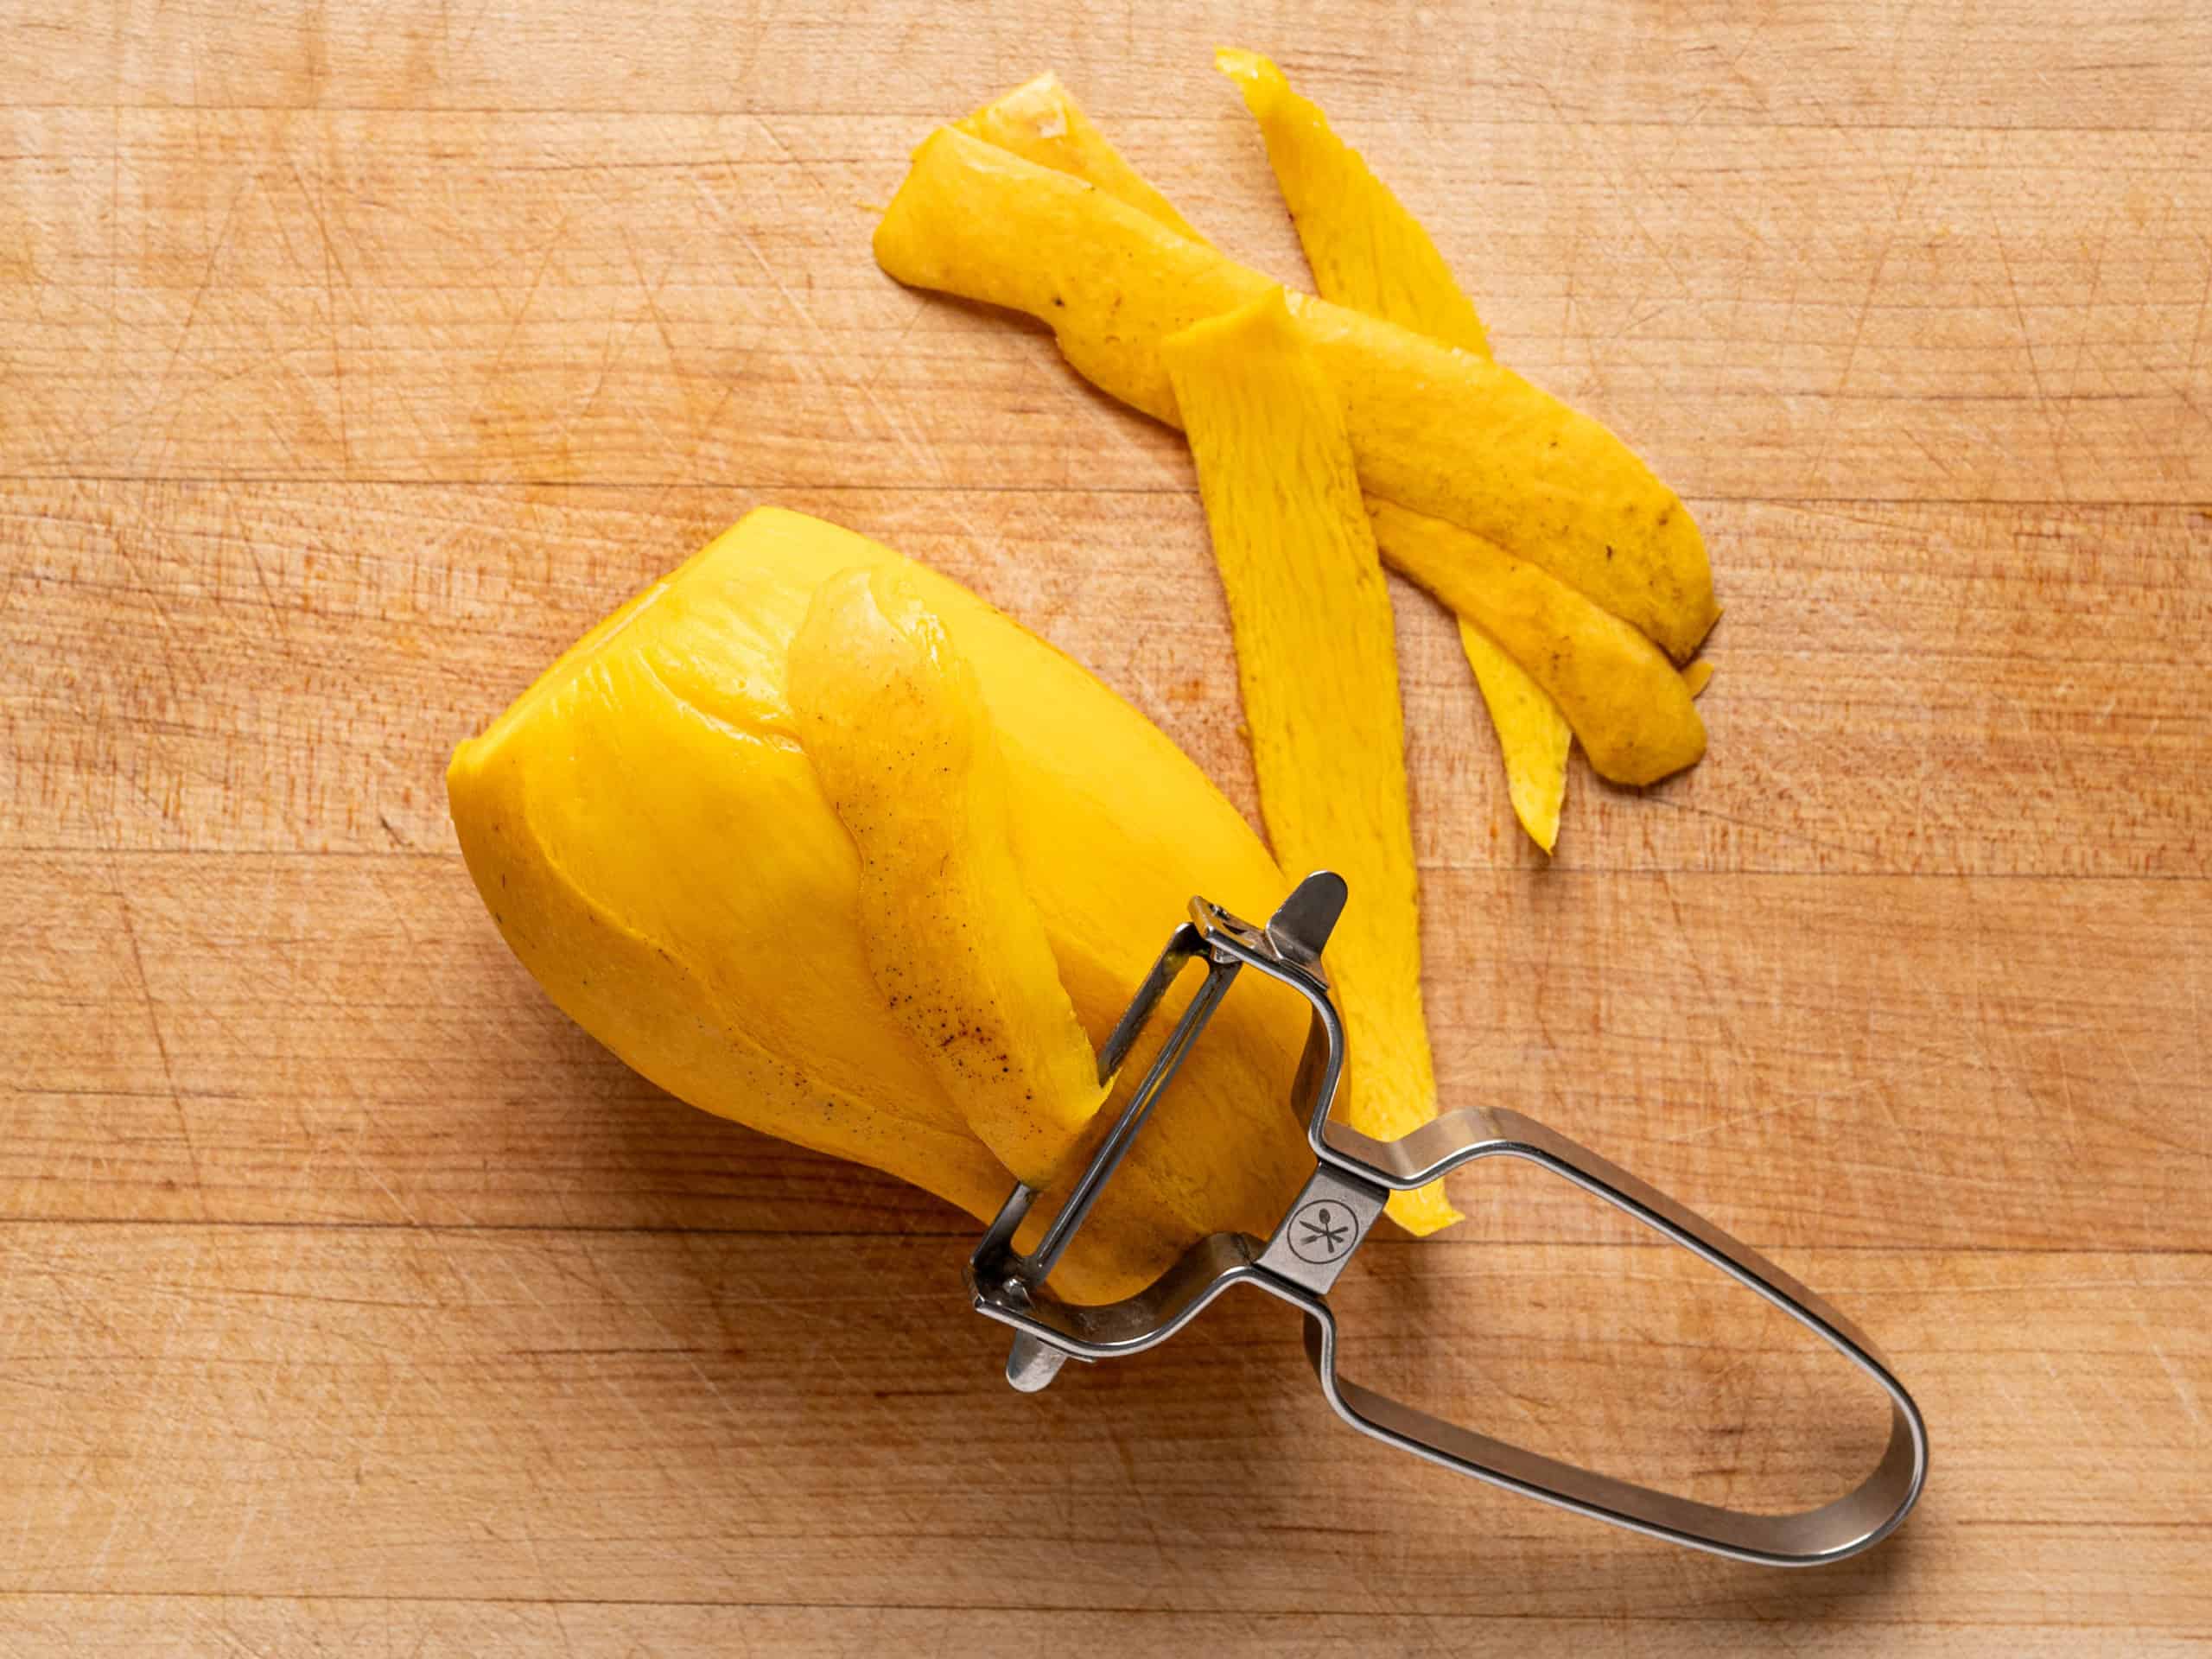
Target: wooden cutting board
[[353, 359]]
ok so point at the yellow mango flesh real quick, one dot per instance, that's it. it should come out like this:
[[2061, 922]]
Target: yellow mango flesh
[[1697, 677], [654, 845], [1317, 659], [1041, 123], [892, 719], [1366, 251], [1440, 431], [1624, 701]]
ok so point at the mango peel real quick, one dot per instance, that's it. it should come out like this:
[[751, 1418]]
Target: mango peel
[[1040, 123], [895, 724], [1540, 619], [1366, 251], [1533, 734], [1438, 430], [1317, 660], [1628, 705]]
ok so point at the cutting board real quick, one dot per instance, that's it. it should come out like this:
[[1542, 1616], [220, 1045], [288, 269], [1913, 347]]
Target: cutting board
[[353, 360]]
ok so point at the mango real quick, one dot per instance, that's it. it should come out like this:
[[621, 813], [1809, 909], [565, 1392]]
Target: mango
[[1368, 252], [892, 719], [1629, 706], [1533, 616], [654, 845], [1040, 122], [1533, 734], [1365, 250]]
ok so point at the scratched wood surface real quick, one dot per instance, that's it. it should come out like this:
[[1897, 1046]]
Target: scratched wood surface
[[353, 359]]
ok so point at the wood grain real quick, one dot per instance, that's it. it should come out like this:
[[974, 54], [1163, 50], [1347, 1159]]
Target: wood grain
[[279, 1038], [688, 1417], [1915, 313], [352, 361], [175, 641]]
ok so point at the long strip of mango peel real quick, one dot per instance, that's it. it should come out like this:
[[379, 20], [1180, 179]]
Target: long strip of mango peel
[[1317, 660], [1073, 147], [1365, 250], [893, 719], [1438, 430], [1368, 252], [1611, 684], [1624, 701]]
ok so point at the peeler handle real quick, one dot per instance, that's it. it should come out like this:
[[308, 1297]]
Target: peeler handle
[[1335, 1213], [1859, 1519]]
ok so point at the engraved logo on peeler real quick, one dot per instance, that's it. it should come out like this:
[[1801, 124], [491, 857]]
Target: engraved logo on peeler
[[1323, 1231]]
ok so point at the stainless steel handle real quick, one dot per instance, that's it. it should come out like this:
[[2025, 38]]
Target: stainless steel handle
[[1334, 1214], [1857, 1521]]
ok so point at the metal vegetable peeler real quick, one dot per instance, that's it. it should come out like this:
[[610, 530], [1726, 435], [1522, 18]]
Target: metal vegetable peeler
[[1334, 1213]]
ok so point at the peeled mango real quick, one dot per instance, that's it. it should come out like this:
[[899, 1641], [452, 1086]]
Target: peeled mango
[[655, 846]]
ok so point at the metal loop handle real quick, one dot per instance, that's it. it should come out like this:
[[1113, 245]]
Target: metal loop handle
[[1335, 1213], [1857, 1521]]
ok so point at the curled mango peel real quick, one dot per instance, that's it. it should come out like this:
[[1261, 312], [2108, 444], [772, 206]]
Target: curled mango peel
[[1040, 122], [892, 717], [1626, 702]]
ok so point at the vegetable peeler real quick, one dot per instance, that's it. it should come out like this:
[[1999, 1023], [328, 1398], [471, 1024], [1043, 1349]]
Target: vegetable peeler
[[1299, 1261]]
